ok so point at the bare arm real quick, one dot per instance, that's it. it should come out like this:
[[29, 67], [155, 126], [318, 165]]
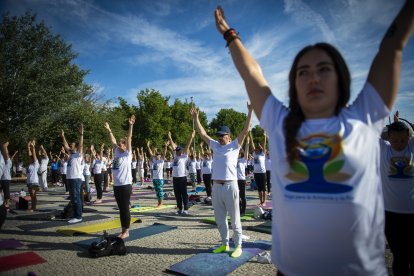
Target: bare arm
[[65, 143], [384, 74], [242, 134], [250, 71], [173, 145], [111, 136], [164, 154], [201, 131], [131, 122], [14, 154], [187, 147], [43, 150], [246, 148], [251, 138], [81, 139], [149, 149], [5, 150]]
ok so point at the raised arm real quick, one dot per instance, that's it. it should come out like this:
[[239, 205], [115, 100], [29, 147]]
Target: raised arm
[[246, 148], [384, 74], [111, 135], [5, 150], [250, 71], [201, 148], [93, 152], [201, 131], [251, 139], [32, 150], [187, 147], [165, 147], [149, 149], [80, 149], [131, 122], [14, 154], [173, 145], [43, 150], [65, 143], [265, 142], [247, 123]]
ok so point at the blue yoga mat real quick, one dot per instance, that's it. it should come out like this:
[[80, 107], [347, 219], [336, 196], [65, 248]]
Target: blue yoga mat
[[134, 234], [210, 264]]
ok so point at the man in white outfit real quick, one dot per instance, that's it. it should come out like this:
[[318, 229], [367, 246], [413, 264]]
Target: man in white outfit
[[225, 197]]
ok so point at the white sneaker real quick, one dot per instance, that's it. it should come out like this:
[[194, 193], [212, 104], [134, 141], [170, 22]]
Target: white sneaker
[[75, 220]]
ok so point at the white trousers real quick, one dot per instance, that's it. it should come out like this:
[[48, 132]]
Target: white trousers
[[225, 199], [43, 181]]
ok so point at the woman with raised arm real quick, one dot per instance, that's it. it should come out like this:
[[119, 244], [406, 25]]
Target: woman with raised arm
[[327, 163], [241, 175], [5, 179], [179, 174], [158, 171], [206, 165], [259, 170], [32, 176], [74, 174], [97, 173], [122, 175], [44, 161], [225, 195]]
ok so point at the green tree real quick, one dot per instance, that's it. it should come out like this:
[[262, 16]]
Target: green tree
[[231, 118], [41, 88], [258, 135]]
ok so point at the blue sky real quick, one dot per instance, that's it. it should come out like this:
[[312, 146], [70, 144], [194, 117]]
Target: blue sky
[[173, 46]]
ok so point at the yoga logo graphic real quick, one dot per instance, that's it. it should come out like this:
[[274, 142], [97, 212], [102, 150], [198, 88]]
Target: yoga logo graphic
[[401, 168], [317, 166]]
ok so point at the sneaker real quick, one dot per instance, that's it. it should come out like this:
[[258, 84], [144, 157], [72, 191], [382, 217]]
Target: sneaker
[[237, 252], [185, 212], [75, 220], [222, 248], [179, 212]]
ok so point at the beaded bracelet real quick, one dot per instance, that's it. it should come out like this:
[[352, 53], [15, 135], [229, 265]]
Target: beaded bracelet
[[230, 35]]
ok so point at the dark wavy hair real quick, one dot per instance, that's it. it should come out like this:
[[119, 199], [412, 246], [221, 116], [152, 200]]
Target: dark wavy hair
[[294, 119]]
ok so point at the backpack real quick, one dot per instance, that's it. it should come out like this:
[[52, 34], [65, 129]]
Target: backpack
[[109, 245], [67, 211]]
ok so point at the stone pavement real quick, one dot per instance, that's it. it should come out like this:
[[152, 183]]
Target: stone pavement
[[151, 255]]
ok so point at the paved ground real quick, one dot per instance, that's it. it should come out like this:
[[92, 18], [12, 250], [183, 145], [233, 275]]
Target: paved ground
[[151, 255]]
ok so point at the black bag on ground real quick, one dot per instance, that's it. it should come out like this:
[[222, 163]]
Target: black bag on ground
[[23, 203], [109, 245], [3, 215], [67, 211]]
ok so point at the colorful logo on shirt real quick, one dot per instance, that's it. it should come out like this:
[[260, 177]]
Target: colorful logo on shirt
[[317, 166], [116, 164], [401, 168]]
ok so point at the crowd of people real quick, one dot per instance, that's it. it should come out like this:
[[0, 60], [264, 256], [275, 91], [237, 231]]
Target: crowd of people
[[340, 186]]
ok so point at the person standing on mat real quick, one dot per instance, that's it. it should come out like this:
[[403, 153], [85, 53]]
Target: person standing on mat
[[259, 170], [74, 174], [97, 173], [44, 161], [158, 172], [326, 152], [225, 196], [179, 174], [122, 175], [5, 179], [32, 176], [206, 165], [241, 175]]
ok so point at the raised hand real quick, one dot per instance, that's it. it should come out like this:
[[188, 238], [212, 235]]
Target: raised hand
[[131, 120], [221, 23]]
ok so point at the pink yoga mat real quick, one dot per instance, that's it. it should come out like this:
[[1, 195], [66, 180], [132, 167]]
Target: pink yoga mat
[[20, 260]]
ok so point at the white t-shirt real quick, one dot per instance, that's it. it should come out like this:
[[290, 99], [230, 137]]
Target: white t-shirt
[[241, 168], [86, 169], [330, 208], [31, 174], [225, 160], [206, 166], [104, 162], [64, 167], [268, 163], [2, 164], [397, 172], [43, 164], [198, 164], [133, 165], [140, 164], [74, 168], [97, 166], [167, 164], [7, 170], [259, 163], [179, 165], [157, 168], [192, 166], [122, 168]]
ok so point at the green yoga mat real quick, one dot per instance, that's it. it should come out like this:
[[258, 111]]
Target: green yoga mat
[[93, 228], [150, 208], [210, 264], [262, 228], [134, 234], [245, 217]]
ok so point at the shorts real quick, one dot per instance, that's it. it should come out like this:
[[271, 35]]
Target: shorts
[[29, 185], [140, 173]]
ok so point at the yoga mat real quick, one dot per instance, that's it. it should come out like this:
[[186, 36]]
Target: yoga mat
[[10, 244], [150, 208], [55, 223], [210, 264], [134, 234], [197, 190], [262, 228], [212, 220], [20, 260], [93, 228], [267, 206]]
